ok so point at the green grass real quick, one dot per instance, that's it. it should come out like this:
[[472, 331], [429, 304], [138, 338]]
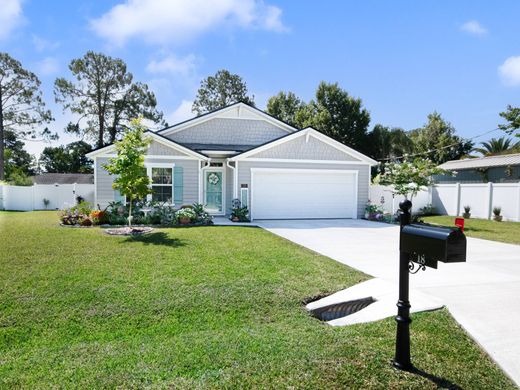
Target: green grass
[[208, 307], [483, 228]]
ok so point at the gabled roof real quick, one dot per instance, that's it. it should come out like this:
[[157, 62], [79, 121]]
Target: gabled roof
[[306, 132], [234, 110], [156, 137], [483, 162], [63, 178]]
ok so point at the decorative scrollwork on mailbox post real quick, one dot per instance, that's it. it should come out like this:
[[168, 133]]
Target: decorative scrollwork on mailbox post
[[420, 246]]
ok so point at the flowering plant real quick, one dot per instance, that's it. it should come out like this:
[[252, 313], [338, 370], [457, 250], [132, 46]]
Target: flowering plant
[[408, 177]]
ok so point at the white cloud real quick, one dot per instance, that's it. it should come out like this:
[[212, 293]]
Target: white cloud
[[41, 44], [178, 21], [181, 113], [10, 16], [509, 71], [473, 27], [48, 66], [172, 64]]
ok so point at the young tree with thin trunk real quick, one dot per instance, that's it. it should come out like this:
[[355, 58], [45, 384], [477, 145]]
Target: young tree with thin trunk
[[105, 97], [22, 108], [128, 166]]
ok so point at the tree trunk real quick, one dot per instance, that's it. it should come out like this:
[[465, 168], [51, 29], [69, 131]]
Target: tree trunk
[[130, 215], [2, 167], [101, 134]]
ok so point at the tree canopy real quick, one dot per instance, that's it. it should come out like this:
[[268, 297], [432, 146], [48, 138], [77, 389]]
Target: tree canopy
[[22, 109], [17, 161], [67, 158], [384, 143], [502, 145], [105, 97], [512, 117], [221, 90], [285, 106], [437, 141]]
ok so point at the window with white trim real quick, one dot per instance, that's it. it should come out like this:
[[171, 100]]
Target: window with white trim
[[162, 184], [244, 195]]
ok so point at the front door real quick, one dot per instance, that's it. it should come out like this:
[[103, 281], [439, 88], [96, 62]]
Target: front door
[[213, 194]]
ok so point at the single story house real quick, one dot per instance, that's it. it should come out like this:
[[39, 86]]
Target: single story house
[[63, 178], [495, 169], [276, 170]]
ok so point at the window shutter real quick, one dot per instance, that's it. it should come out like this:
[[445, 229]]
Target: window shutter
[[178, 185]]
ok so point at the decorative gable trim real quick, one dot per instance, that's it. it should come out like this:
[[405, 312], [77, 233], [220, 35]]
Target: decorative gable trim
[[238, 110], [308, 132], [104, 152]]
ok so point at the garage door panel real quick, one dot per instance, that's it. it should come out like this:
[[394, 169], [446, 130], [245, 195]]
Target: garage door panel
[[303, 194]]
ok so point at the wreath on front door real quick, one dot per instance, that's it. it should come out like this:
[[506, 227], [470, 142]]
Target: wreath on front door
[[213, 179]]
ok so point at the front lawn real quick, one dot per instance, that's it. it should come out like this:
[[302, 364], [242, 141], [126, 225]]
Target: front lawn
[[483, 228], [207, 307]]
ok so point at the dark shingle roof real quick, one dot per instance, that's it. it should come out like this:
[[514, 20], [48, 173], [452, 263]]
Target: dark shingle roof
[[230, 148], [63, 178]]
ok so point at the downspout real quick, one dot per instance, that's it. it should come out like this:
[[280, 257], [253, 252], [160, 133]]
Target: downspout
[[235, 190]]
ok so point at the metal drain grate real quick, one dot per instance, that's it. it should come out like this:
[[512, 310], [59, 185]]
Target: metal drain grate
[[342, 309]]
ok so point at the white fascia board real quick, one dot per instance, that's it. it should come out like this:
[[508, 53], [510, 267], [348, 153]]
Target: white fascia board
[[204, 118], [305, 161]]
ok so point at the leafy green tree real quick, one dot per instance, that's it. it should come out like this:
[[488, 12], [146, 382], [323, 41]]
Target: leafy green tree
[[220, 91], [105, 97], [409, 177], [16, 158], [337, 114], [22, 108], [502, 145], [285, 106], [512, 116], [128, 166], [437, 141], [67, 158], [384, 143]]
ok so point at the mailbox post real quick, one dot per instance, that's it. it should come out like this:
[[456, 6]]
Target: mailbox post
[[420, 246], [402, 340]]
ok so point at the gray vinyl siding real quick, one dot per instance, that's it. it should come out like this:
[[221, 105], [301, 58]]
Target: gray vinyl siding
[[158, 149], [229, 131], [244, 175], [104, 190], [303, 149], [105, 193], [494, 175]]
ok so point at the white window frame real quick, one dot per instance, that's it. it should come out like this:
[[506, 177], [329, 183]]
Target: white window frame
[[149, 167]]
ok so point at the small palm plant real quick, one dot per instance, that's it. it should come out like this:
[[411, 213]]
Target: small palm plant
[[496, 213], [467, 213], [46, 202]]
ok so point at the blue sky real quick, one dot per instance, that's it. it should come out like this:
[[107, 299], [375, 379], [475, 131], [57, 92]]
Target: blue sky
[[404, 59]]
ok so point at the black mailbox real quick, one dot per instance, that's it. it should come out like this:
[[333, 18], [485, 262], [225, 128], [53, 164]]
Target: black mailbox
[[427, 244]]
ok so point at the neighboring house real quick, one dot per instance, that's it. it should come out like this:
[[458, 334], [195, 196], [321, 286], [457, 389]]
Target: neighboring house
[[276, 170], [63, 178], [496, 169]]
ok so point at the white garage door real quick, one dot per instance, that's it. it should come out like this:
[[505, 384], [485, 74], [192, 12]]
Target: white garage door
[[303, 193]]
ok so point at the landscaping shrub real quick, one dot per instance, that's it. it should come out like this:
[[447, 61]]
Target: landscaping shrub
[[239, 213]]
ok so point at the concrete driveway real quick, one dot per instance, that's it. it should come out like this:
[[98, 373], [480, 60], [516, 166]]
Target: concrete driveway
[[482, 294]]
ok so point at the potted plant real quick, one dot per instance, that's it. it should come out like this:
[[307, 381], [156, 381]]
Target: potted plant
[[185, 216], [467, 213], [496, 213]]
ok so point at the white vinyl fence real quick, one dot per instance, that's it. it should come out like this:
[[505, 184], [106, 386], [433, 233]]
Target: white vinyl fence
[[450, 199], [31, 198]]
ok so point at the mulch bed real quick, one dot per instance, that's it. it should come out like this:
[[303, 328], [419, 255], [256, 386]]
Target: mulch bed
[[127, 231]]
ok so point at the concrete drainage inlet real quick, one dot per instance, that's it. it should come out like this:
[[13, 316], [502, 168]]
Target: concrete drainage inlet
[[342, 309]]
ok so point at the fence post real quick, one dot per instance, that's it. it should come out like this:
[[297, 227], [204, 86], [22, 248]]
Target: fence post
[[457, 199], [489, 199], [518, 204]]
